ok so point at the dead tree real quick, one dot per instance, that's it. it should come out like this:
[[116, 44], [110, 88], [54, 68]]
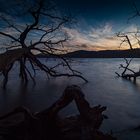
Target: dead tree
[[47, 125], [125, 38], [131, 74], [43, 35]]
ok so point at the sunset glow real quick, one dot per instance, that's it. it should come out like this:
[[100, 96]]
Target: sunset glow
[[95, 29]]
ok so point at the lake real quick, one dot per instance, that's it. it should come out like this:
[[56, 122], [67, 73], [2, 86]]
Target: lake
[[121, 96]]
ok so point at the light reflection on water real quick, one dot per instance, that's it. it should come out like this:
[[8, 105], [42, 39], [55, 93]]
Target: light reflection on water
[[121, 97]]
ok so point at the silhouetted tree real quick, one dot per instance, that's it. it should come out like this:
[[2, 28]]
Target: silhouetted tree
[[128, 38], [47, 125], [125, 38], [43, 33]]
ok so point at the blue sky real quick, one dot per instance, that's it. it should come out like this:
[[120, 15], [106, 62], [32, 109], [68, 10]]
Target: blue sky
[[100, 10], [100, 20], [97, 21]]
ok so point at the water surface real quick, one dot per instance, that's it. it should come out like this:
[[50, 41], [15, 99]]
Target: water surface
[[121, 97]]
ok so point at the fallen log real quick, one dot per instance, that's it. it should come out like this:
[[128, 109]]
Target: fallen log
[[132, 74], [24, 55], [48, 125]]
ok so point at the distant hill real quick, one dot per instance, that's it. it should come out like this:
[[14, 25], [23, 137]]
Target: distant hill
[[135, 53]]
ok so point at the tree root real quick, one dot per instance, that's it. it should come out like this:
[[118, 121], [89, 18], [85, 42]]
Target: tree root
[[47, 125]]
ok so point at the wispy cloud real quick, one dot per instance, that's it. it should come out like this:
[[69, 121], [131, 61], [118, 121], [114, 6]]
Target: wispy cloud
[[100, 38]]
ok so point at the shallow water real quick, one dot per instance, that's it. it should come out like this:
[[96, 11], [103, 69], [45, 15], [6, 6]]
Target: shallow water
[[121, 97]]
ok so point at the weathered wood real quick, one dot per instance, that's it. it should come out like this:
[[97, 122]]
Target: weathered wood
[[126, 68], [47, 44], [47, 125], [10, 56], [7, 60]]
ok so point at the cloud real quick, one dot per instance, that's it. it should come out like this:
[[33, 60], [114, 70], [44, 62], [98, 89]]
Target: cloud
[[101, 31], [100, 38], [131, 28]]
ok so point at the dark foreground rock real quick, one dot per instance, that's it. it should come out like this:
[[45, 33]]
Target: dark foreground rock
[[21, 124]]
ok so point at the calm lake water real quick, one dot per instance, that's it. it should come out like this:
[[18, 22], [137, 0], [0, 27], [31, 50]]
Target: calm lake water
[[121, 97]]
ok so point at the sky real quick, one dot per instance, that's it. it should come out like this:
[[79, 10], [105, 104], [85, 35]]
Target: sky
[[100, 20], [97, 22]]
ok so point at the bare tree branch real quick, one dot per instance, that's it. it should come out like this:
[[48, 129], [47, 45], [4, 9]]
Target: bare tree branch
[[136, 12], [126, 39], [49, 40], [9, 36]]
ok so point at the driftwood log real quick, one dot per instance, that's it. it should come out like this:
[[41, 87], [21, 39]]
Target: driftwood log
[[21, 124]]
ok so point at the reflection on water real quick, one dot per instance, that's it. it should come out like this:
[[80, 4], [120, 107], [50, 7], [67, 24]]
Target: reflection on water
[[121, 97]]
